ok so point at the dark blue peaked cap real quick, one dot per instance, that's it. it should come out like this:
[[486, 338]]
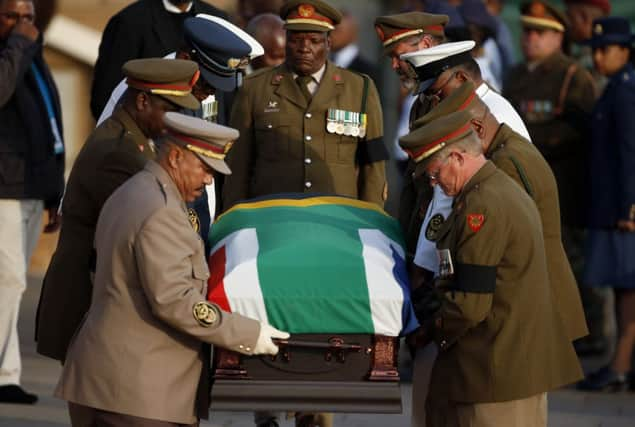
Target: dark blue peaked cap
[[218, 51], [611, 30]]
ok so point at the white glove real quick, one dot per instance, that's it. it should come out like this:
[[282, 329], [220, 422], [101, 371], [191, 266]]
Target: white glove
[[265, 345]]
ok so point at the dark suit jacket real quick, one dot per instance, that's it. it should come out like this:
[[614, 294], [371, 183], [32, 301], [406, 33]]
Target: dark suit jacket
[[29, 167], [142, 30], [114, 152]]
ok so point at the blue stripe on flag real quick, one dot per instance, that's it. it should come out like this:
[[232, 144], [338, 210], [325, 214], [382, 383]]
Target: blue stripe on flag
[[409, 320]]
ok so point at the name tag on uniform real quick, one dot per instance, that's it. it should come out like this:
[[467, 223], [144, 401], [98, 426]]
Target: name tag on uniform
[[446, 268], [349, 123]]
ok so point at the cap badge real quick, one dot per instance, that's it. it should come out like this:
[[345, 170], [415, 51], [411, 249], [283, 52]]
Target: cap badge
[[272, 104], [194, 221], [475, 221], [204, 314], [598, 29], [537, 9], [306, 10]]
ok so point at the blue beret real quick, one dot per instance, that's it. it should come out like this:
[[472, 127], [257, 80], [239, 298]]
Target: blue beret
[[218, 51]]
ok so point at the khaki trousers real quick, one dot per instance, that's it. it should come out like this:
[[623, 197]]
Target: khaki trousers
[[84, 416], [528, 412]]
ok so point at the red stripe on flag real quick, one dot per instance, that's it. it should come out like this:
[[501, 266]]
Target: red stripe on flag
[[215, 285]]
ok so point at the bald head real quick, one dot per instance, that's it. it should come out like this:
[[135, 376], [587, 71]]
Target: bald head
[[344, 33], [268, 30]]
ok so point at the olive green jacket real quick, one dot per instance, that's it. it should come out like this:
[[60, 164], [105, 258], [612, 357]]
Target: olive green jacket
[[522, 161], [499, 333], [114, 152], [284, 145], [557, 110]]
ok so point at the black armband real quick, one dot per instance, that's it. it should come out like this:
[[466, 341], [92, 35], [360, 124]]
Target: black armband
[[476, 279], [371, 151]]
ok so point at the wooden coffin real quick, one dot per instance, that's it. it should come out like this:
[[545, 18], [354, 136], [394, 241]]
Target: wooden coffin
[[312, 372]]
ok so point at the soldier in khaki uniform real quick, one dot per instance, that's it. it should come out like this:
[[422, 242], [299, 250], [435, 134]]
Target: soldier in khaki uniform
[[497, 306], [307, 125], [522, 161], [138, 358], [115, 151], [555, 96], [400, 34]]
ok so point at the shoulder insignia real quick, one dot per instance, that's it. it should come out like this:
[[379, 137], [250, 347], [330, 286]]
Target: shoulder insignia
[[475, 221], [204, 313], [337, 77], [194, 221], [276, 79], [433, 227]]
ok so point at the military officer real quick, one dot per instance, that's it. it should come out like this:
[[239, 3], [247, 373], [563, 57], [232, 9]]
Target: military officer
[[522, 161], [491, 264], [307, 125], [555, 96], [115, 151], [142, 336], [399, 34]]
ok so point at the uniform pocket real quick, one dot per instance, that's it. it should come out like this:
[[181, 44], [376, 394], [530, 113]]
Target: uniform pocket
[[272, 137], [340, 148]]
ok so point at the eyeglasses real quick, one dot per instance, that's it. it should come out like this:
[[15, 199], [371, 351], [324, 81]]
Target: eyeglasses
[[435, 96], [434, 176], [15, 16]]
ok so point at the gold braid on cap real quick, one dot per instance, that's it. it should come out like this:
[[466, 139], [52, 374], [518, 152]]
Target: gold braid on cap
[[402, 35], [164, 89], [200, 147]]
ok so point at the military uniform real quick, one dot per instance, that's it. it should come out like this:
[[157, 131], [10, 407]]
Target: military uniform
[[555, 101], [114, 152], [491, 263], [284, 144]]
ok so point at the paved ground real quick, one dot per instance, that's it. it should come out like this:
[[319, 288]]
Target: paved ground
[[567, 408]]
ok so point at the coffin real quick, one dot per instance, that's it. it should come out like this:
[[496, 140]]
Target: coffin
[[332, 274]]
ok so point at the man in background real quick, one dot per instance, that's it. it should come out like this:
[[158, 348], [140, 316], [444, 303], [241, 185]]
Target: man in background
[[144, 29], [268, 30], [345, 50], [31, 172]]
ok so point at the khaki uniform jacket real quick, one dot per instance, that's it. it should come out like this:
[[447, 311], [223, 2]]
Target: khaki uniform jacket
[[500, 336], [522, 161], [284, 145], [114, 152], [561, 134], [138, 351]]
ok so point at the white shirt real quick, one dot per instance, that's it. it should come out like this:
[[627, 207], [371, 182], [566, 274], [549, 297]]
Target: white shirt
[[171, 8], [426, 251], [317, 78]]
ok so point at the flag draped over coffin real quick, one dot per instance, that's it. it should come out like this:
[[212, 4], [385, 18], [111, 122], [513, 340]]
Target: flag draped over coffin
[[312, 265]]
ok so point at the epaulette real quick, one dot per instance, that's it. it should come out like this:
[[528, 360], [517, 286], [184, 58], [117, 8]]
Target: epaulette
[[257, 73]]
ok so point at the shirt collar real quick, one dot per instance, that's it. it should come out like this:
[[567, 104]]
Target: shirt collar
[[317, 76], [482, 90], [171, 8]]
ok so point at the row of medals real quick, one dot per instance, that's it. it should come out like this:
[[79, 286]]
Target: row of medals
[[347, 123]]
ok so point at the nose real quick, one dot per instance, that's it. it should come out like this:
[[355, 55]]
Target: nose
[[394, 63]]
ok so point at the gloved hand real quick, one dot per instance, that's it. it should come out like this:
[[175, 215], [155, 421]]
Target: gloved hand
[[265, 345], [426, 301]]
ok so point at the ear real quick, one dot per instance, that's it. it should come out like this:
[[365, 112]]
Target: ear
[[141, 101], [478, 127], [328, 41], [174, 156], [462, 76]]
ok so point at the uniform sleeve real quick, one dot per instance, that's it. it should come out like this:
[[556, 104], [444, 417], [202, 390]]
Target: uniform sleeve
[[372, 177], [171, 272], [115, 169], [515, 170], [625, 133], [481, 238], [240, 157], [15, 58], [119, 43]]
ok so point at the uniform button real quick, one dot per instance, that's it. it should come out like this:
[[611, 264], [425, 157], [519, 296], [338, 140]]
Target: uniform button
[[308, 115], [269, 126], [308, 184], [308, 137], [307, 161], [248, 349], [443, 344], [241, 346]]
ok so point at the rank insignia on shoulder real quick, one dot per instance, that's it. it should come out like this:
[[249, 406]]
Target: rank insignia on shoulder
[[349, 123], [433, 227], [204, 313], [194, 221], [475, 221]]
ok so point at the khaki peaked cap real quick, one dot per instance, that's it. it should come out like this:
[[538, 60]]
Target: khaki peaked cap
[[171, 79], [541, 15], [309, 15], [392, 28], [461, 99]]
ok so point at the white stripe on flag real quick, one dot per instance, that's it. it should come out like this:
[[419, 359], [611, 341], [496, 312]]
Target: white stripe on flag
[[241, 282], [385, 294]]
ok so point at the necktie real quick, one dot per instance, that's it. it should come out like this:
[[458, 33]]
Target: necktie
[[303, 82]]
